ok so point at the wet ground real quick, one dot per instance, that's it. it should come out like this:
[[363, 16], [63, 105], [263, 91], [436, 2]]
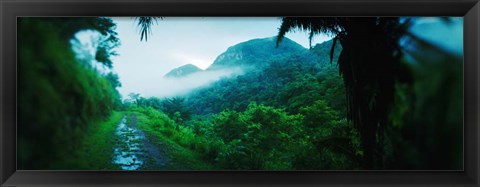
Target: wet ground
[[133, 150]]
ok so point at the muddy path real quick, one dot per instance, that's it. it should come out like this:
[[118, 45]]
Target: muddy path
[[134, 151]]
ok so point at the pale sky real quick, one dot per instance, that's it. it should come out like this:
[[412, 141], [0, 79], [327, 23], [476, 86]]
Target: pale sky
[[176, 41]]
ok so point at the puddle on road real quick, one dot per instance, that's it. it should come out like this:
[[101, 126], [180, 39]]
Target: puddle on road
[[129, 147]]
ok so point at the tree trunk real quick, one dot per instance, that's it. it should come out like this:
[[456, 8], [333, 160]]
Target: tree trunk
[[369, 80]]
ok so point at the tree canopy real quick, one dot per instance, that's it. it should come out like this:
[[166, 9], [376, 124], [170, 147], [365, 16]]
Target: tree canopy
[[369, 63]]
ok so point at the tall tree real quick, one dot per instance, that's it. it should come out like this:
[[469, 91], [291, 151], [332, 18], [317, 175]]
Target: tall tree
[[369, 64]]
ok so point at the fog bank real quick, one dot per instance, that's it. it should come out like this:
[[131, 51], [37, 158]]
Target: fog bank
[[168, 87]]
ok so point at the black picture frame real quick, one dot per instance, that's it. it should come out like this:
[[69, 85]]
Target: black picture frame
[[10, 9]]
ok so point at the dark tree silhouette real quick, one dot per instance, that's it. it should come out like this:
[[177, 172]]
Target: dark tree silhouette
[[145, 24], [369, 64]]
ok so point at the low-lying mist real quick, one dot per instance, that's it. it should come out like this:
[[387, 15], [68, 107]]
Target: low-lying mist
[[178, 86]]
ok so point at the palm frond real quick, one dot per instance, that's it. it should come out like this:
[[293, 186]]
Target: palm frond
[[287, 25], [145, 24], [314, 26], [333, 48]]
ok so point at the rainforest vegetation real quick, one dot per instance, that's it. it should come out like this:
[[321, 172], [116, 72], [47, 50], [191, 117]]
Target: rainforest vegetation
[[375, 96]]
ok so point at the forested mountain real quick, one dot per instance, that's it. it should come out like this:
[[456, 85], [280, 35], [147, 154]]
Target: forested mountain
[[323, 52], [256, 52], [286, 111], [293, 78], [183, 71], [291, 102]]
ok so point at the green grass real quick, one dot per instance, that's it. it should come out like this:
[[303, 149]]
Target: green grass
[[162, 134], [95, 151]]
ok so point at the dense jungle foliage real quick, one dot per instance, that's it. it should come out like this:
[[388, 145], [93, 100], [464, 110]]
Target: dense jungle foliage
[[290, 108]]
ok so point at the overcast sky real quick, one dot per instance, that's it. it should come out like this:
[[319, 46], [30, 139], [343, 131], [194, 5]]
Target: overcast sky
[[178, 41]]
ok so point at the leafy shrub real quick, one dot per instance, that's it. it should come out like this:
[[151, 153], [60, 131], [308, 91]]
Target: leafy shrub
[[57, 96]]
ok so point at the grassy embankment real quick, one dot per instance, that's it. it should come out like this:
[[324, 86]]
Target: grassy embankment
[[184, 150], [95, 151]]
